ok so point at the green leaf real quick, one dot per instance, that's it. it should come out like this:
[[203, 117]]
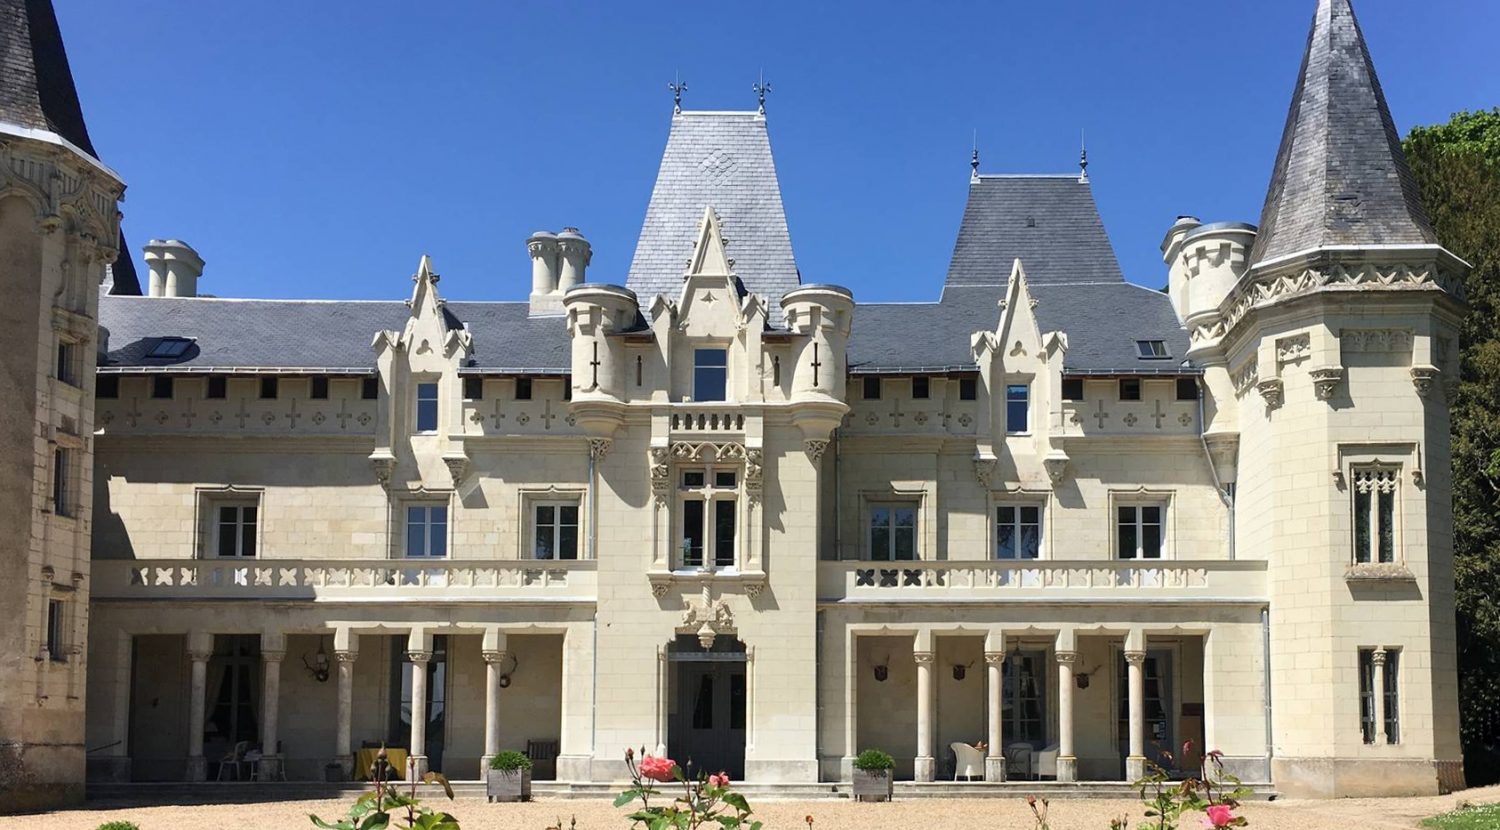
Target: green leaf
[[343, 825], [626, 797], [378, 821], [737, 801]]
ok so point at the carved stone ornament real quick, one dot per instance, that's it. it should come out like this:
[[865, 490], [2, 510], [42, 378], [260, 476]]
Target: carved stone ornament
[[458, 466], [711, 617], [984, 470], [384, 466], [659, 588], [814, 449], [1326, 380], [754, 474], [599, 448], [1273, 391], [1057, 466], [1423, 377], [661, 480], [753, 589]]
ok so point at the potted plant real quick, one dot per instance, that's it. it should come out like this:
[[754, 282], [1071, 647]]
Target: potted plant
[[872, 775], [509, 777]]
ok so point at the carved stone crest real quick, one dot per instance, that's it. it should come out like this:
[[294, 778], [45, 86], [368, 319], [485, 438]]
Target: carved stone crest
[[1422, 377], [984, 470], [458, 465], [710, 617]]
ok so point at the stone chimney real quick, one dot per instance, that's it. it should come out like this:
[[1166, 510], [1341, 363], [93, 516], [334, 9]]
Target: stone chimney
[[575, 258], [175, 268]]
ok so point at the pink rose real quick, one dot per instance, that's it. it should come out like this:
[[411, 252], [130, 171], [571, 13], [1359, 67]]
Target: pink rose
[[1218, 816], [657, 769], [720, 780]]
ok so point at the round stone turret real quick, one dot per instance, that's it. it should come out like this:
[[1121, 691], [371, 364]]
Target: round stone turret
[[823, 314], [1205, 262], [594, 312]]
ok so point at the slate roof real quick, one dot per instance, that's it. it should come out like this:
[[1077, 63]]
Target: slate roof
[[334, 335], [1340, 176], [1103, 321], [36, 85], [1050, 223], [720, 160]]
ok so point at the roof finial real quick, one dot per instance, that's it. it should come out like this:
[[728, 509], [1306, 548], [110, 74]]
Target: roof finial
[[974, 159], [760, 89], [676, 86], [1083, 160]]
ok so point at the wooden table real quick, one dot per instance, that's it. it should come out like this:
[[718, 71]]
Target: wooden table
[[364, 762]]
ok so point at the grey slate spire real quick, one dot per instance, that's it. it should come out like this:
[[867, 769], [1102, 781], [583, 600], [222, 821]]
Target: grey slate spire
[[36, 85], [1340, 176], [719, 160]]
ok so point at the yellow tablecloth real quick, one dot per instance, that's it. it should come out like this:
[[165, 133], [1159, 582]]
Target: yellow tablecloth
[[364, 763]]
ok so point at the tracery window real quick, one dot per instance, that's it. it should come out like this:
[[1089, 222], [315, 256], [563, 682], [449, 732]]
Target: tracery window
[[1375, 514], [708, 501]]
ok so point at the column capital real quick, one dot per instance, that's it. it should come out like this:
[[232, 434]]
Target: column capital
[[1135, 658], [419, 657], [1378, 656], [994, 657], [272, 656], [1067, 658], [923, 658], [200, 655], [345, 656], [495, 656]]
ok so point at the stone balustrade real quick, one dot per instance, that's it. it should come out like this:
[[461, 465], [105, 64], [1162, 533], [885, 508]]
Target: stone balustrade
[[1209, 581], [347, 580], [708, 418]]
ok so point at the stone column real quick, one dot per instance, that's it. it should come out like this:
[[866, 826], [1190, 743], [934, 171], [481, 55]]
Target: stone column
[[575, 759], [851, 707], [493, 660], [417, 758], [925, 763], [994, 757], [270, 765], [1377, 700], [343, 748], [200, 649], [1067, 762], [1135, 762]]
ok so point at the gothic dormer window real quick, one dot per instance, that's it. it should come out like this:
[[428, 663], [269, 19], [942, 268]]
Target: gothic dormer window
[[427, 407], [710, 374]]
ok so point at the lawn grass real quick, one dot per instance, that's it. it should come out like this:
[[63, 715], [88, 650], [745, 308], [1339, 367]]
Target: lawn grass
[[1486, 817]]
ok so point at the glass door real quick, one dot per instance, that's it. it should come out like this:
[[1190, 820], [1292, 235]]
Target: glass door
[[437, 699]]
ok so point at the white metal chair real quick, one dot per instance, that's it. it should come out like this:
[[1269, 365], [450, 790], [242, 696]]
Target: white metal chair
[[968, 761]]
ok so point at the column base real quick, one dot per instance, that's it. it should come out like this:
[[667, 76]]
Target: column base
[[269, 768], [1135, 768], [994, 768], [924, 767], [846, 768], [416, 767], [580, 768], [484, 764], [197, 768], [1067, 768]]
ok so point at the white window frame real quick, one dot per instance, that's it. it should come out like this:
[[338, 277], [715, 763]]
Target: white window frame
[[709, 494], [557, 504], [1137, 500], [417, 401], [64, 494], [216, 527], [714, 347], [892, 503], [1017, 505], [1367, 483], [404, 508], [1026, 401]]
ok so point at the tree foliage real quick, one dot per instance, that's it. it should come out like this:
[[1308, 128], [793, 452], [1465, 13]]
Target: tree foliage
[[1457, 168]]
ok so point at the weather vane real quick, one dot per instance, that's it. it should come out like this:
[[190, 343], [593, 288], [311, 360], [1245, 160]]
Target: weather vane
[[677, 86], [974, 159], [760, 89]]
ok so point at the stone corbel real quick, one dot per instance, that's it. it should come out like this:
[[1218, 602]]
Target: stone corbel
[[384, 465], [661, 476], [1273, 391], [984, 470], [814, 449], [1423, 377], [599, 448], [1326, 380], [458, 466], [754, 474], [1056, 464]]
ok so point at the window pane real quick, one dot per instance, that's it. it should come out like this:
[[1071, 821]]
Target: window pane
[[692, 533], [906, 532], [1151, 541], [1151, 515], [1005, 514], [546, 546], [1367, 695], [437, 539], [415, 530], [880, 542], [710, 374], [1361, 527], [568, 514], [1127, 533], [226, 537], [427, 407], [1031, 515], [1005, 541], [545, 514], [567, 542], [1391, 693], [247, 539], [693, 478], [1016, 405], [724, 511], [1387, 527], [1031, 541], [724, 478]]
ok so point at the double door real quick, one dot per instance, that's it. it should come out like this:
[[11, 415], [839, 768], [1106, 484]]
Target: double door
[[706, 732]]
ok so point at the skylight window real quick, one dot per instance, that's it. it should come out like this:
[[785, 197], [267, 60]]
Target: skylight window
[[170, 347], [1151, 349]]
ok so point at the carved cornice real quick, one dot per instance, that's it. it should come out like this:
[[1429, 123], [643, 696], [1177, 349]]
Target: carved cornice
[[1274, 286]]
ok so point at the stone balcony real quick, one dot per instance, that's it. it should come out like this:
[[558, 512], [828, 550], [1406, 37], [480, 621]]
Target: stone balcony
[[364, 580], [687, 420], [1039, 580]]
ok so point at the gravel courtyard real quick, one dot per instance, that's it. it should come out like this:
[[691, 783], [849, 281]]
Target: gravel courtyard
[[1367, 814]]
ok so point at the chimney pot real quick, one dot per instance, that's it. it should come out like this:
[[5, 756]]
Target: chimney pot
[[175, 268]]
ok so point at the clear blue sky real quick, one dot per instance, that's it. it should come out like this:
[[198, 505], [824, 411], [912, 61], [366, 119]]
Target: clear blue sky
[[317, 149]]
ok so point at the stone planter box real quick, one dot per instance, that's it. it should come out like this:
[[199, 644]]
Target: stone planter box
[[507, 785], [872, 785]]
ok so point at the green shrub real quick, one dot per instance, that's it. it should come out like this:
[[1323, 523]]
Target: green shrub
[[873, 760], [510, 761], [118, 825]]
